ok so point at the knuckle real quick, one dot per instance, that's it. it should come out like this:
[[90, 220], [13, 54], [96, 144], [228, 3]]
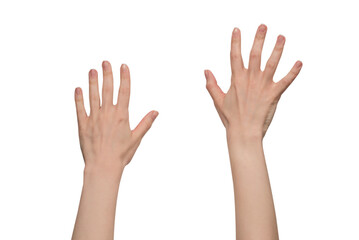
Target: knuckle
[[93, 81], [209, 86], [278, 46], [235, 55], [284, 82], [125, 90], [270, 65], [236, 84], [254, 54], [146, 125], [149, 121], [122, 118], [260, 36], [108, 71], [294, 73], [291, 76], [94, 97], [107, 89]]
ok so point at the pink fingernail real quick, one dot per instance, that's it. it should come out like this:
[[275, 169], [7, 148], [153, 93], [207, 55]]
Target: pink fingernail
[[105, 64], [281, 38], [78, 91], [92, 72], [236, 31], [262, 28], [299, 64]]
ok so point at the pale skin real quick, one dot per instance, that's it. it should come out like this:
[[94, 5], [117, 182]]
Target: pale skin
[[246, 112], [108, 145]]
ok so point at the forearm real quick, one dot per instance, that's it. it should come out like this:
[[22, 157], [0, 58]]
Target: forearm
[[96, 214], [255, 214]]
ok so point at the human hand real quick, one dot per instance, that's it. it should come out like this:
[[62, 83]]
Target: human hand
[[106, 140], [249, 105]]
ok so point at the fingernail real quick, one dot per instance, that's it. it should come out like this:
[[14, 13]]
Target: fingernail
[[262, 28], [236, 31], [281, 38], [299, 64], [92, 72], [78, 91], [105, 64], [154, 115], [124, 66]]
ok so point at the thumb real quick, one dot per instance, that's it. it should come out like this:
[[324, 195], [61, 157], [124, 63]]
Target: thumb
[[144, 125], [214, 90]]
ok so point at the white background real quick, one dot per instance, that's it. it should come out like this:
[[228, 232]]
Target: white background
[[179, 184]]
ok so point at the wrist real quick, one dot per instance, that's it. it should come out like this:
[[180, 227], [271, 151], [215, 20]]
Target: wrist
[[233, 134], [99, 172]]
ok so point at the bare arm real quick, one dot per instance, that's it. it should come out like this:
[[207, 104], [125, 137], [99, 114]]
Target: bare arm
[[108, 145], [246, 111]]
